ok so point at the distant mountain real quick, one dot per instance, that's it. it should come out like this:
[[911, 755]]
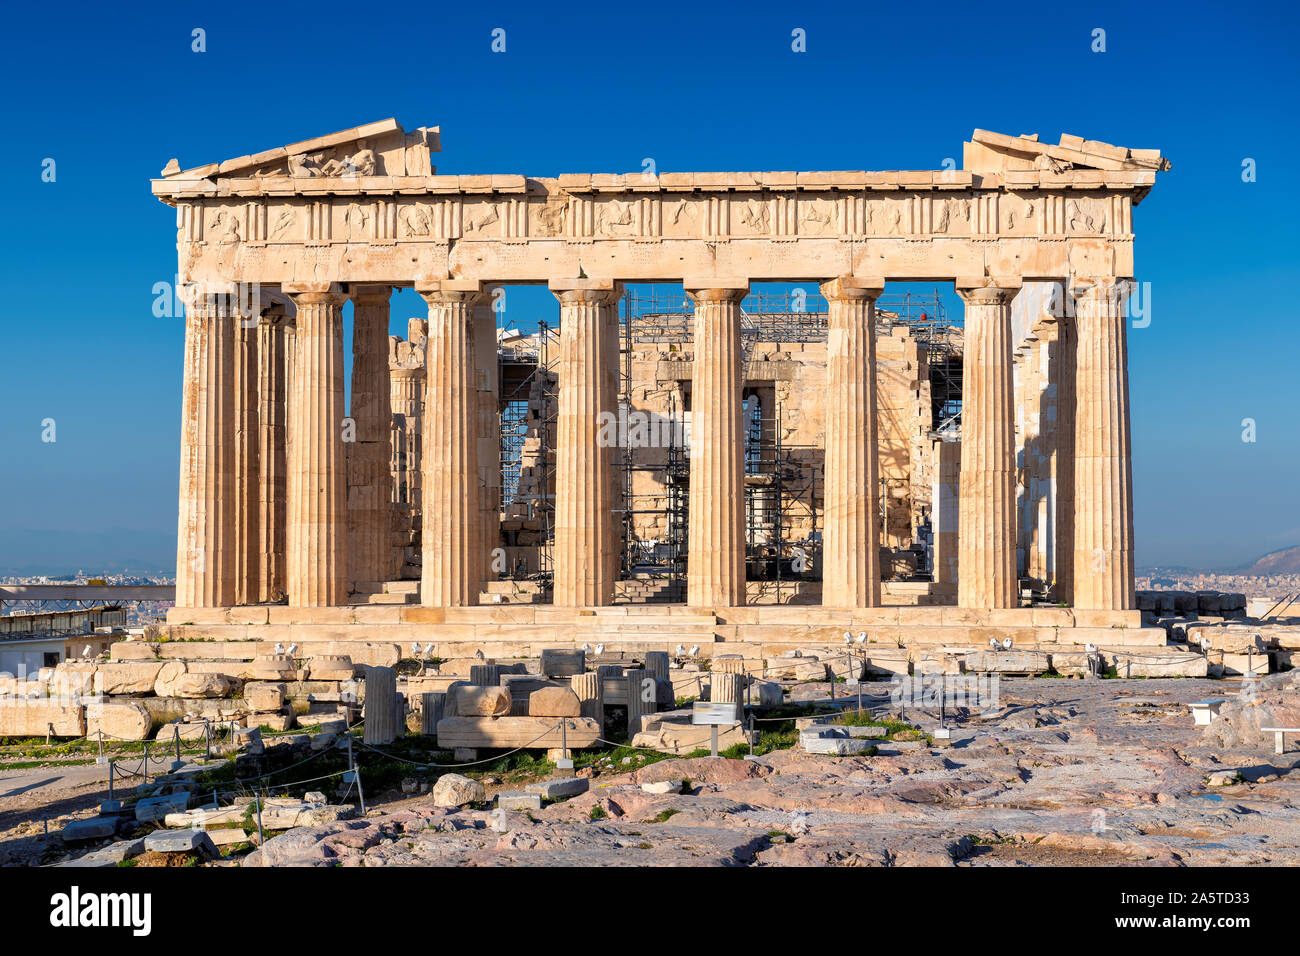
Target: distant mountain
[[1284, 561]]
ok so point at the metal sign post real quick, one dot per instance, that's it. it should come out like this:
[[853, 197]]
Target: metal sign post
[[713, 715]]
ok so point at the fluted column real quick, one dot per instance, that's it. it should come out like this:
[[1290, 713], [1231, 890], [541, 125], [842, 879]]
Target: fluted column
[[986, 530], [370, 492], [851, 532], [450, 527], [316, 561], [1103, 469], [489, 436], [716, 554], [1061, 372], [408, 399], [247, 587], [271, 455], [584, 458], [205, 550]]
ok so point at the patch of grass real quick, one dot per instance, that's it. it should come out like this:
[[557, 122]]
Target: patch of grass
[[597, 812], [894, 729], [990, 841], [616, 755], [665, 815]]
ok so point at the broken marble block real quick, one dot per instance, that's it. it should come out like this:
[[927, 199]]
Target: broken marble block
[[519, 801], [454, 790]]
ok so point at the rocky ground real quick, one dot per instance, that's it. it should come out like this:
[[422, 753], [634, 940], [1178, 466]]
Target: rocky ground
[[1067, 772], [1064, 772]]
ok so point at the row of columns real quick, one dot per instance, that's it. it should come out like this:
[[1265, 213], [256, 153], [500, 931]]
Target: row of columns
[[269, 457], [233, 512], [1094, 517]]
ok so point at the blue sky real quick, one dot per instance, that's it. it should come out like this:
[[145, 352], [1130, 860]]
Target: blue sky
[[111, 96]]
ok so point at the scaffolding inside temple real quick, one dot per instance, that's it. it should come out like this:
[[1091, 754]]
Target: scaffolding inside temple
[[528, 396], [939, 339], [652, 485], [779, 477]]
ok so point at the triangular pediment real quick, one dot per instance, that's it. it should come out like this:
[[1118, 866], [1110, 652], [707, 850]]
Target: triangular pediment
[[996, 153], [375, 149]]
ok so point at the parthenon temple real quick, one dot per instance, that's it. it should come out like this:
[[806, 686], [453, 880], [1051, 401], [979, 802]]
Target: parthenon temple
[[683, 456]]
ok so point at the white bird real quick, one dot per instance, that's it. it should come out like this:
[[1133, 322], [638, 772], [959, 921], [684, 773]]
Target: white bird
[[479, 655], [586, 648], [681, 649], [993, 642], [848, 638], [293, 649], [279, 648], [695, 649], [428, 648], [415, 648], [1006, 644], [1092, 648], [600, 648], [85, 651], [862, 637]]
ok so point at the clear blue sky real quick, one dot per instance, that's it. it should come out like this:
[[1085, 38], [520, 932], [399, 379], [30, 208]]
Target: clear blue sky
[[111, 96]]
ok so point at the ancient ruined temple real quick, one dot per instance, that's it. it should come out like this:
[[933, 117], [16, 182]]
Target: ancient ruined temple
[[287, 494]]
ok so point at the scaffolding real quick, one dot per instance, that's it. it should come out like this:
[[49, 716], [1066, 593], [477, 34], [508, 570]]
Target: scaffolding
[[939, 340], [528, 400], [780, 478]]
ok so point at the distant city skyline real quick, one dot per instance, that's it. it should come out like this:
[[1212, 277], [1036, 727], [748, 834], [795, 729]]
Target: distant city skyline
[[83, 350]]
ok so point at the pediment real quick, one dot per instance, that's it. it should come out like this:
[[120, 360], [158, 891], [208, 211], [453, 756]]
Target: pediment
[[375, 149], [997, 153]]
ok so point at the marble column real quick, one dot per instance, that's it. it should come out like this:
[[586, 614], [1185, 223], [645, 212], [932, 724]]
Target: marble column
[[247, 586], [370, 493], [316, 560], [271, 455], [716, 554], [489, 439], [582, 556], [851, 530], [1062, 371], [205, 551], [408, 399], [986, 530], [1103, 469], [450, 529], [945, 512]]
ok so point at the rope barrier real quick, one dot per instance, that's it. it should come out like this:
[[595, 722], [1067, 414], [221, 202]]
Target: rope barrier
[[472, 763]]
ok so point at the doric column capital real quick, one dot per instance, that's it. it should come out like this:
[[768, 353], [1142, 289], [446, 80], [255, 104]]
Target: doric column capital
[[1110, 289], [273, 315], [853, 288], [232, 297], [450, 291], [586, 291], [715, 288], [370, 294], [983, 290], [315, 293]]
